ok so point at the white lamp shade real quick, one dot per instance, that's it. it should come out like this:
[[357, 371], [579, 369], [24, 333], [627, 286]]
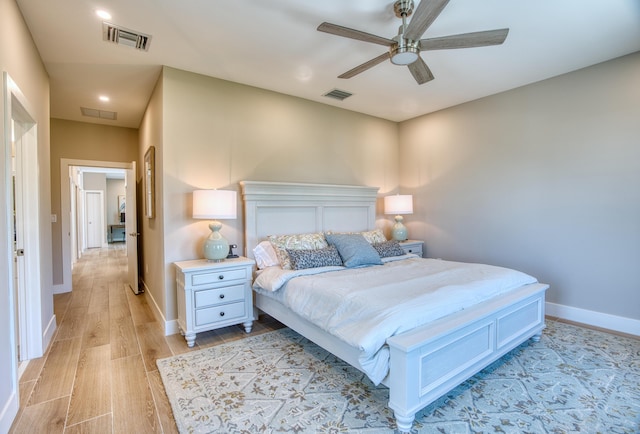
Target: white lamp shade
[[214, 204], [398, 204]]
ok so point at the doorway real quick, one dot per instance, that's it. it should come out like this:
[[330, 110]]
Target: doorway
[[80, 179], [21, 309]]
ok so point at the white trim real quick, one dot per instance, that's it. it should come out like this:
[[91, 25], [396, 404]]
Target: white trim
[[170, 327], [9, 412], [49, 331], [596, 319], [61, 289], [17, 107]]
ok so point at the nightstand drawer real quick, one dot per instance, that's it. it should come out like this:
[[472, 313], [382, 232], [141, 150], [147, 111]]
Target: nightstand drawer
[[219, 313], [227, 294], [222, 276], [412, 246], [413, 249]]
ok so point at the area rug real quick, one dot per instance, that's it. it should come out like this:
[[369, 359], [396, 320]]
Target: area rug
[[573, 380]]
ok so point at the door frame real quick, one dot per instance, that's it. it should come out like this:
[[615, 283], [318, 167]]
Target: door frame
[[33, 337], [65, 212]]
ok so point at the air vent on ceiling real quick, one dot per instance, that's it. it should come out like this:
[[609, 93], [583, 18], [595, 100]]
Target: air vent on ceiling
[[338, 94], [100, 114], [130, 38]]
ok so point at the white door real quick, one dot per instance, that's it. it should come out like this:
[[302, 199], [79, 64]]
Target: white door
[[93, 218], [18, 240], [131, 228]]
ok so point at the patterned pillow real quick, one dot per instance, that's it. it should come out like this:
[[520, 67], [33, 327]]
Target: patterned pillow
[[354, 250], [295, 242], [304, 258], [388, 249], [373, 236]]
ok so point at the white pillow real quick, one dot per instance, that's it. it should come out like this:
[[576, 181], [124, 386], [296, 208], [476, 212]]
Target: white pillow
[[265, 255]]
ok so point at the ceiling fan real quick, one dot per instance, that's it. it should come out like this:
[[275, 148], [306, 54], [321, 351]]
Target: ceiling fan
[[405, 47]]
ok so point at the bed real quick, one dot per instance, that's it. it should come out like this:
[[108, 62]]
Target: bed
[[424, 362]]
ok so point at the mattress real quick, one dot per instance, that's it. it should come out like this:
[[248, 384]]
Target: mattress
[[365, 306]]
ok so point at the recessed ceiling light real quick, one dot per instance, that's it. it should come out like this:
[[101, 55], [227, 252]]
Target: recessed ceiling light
[[103, 98], [103, 14]]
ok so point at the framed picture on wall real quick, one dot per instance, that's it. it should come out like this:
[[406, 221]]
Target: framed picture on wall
[[149, 183]]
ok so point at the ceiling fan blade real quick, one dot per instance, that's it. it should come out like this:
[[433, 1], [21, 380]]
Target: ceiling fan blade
[[366, 65], [420, 71], [346, 32], [425, 14], [465, 40]]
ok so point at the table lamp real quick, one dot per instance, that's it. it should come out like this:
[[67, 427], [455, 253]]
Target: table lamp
[[214, 205], [398, 204]]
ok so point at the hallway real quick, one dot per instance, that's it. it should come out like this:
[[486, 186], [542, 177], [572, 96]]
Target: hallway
[[99, 374]]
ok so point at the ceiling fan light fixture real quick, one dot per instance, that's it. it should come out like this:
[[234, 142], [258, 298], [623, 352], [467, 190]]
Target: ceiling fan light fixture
[[404, 55]]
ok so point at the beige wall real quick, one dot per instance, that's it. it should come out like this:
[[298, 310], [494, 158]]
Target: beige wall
[[83, 141], [21, 60], [152, 267], [544, 178], [217, 133]]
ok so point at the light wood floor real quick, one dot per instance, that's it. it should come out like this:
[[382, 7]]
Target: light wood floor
[[99, 374]]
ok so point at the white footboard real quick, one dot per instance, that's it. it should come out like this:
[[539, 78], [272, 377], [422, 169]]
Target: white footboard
[[429, 361]]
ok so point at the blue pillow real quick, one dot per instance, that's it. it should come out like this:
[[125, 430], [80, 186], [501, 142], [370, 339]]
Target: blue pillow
[[354, 250]]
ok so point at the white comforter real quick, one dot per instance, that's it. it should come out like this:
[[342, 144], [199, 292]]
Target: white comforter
[[365, 306]]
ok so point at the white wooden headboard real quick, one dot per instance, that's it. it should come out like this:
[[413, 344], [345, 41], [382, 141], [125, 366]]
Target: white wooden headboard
[[280, 208]]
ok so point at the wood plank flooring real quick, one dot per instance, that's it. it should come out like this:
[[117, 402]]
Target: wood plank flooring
[[99, 374]]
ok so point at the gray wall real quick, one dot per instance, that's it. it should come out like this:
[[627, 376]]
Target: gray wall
[[544, 178]]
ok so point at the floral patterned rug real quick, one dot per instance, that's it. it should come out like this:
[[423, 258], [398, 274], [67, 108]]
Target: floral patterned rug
[[573, 380]]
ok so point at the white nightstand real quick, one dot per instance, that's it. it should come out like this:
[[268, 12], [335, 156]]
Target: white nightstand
[[213, 295], [412, 246]]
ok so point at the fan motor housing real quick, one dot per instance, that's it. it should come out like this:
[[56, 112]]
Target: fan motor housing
[[403, 8]]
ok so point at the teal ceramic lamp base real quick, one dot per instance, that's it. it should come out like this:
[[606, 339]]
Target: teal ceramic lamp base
[[399, 231], [216, 247]]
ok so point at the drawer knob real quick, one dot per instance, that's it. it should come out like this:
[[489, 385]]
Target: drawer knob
[[221, 313], [221, 295], [220, 277]]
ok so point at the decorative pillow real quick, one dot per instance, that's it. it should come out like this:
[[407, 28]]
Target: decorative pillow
[[265, 256], [354, 249], [388, 249], [281, 243], [315, 258], [374, 236]]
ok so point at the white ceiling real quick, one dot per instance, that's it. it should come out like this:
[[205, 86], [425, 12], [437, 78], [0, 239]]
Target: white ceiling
[[274, 44]]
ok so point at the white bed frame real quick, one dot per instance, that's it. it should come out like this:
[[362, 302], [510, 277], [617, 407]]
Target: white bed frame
[[426, 362]]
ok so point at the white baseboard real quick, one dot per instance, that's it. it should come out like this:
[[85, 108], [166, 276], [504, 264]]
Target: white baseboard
[[61, 289], [9, 412], [49, 331], [170, 327], [596, 319]]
